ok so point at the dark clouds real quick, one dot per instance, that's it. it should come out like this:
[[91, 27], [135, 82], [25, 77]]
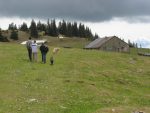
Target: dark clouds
[[85, 10]]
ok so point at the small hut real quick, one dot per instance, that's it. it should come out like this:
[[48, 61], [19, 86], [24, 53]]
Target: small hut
[[112, 43]]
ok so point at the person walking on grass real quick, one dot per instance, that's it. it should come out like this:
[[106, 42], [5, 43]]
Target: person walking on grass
[[29, 48], [44, 49], [34, 50]]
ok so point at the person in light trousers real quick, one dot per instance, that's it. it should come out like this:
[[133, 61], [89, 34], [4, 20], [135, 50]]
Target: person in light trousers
[[34, 50]]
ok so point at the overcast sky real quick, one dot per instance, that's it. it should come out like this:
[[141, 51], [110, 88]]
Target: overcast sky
[[85, 10], [106, 17]]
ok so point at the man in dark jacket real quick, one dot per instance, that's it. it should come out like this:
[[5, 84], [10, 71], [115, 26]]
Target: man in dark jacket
[[44, 49]]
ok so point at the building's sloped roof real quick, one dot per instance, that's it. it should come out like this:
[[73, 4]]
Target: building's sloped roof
[[98, 42], [93, 43]]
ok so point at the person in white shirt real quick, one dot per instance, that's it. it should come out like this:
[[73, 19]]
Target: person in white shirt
[[34, 50]]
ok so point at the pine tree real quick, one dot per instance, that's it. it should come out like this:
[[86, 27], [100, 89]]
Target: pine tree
[[0, 32], [33, 29], [12, 26], [89, 35], [81, 30], [39, 26], [64, 28], [132, 45], [24, 27], [75, 31], [3, 38], [48, 28], [69, 30], [14, 35], [95, 36], [60, 30], [54, 28], [43, 27]]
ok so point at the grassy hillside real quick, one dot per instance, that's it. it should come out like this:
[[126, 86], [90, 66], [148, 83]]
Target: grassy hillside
[[80, 81], [74, 42]]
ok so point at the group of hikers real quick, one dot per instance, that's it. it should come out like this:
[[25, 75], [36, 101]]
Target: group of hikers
[[32, 48]]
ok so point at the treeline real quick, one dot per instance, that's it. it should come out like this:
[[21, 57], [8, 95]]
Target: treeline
[[132, 44], [13, 33], [2, 38], [68, 29]]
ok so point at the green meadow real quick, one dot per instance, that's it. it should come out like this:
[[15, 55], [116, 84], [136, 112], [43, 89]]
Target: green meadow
[[80, 81]]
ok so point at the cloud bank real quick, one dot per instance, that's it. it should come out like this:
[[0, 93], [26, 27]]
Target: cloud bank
[[84, 10]]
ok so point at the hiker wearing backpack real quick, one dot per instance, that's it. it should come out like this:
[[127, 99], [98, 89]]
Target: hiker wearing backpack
[[29, 48], [44, 49]]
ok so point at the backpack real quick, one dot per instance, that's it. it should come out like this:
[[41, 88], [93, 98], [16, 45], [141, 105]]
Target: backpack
[[28, 44]]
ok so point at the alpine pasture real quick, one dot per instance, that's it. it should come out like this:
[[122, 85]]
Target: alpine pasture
[[80, 81]]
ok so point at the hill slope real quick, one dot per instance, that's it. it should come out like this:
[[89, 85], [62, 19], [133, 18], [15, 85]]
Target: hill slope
[[80, 81], [72, 42]]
